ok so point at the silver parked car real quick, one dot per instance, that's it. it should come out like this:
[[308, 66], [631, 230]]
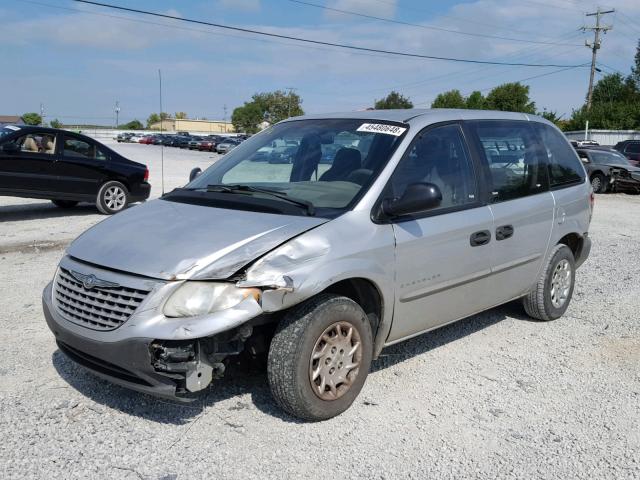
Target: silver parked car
[[421, 218]]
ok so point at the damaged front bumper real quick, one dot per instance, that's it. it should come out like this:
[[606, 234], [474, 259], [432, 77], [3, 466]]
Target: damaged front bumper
[[149, 352]]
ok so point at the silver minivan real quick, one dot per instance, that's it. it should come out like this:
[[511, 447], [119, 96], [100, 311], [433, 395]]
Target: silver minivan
[[382, 225]]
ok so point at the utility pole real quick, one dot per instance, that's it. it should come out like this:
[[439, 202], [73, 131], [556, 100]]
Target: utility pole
[[117, 110], [291, 90], [595, 46], [224, 119], [42, 114]]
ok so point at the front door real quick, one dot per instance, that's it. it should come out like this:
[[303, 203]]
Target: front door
[[27, 164], [443, 257]]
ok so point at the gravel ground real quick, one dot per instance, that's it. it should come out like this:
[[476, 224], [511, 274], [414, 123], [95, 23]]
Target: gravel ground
[[492, 396]]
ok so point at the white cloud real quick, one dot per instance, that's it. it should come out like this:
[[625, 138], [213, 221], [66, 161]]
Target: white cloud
[[243, 5], [224, 69], [378, 8]]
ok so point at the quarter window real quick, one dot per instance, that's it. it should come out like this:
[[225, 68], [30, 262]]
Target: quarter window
[[438, 156], [514, 157], [564, 166], [74, 147]]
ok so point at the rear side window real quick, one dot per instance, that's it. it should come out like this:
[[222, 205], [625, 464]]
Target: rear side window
[[514, 156], [564, 166], [74, 147]]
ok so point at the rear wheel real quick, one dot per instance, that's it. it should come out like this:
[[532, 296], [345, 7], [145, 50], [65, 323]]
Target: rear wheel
[[598, 183], [551, 296], [320, 357], [112, 197], [64, 203]]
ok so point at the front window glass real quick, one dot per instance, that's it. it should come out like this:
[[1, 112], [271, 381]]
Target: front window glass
[[439, 157], [37, 143], [326, 163]]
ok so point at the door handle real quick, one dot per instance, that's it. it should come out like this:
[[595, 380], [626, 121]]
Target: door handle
[[503, 232], [480, 238]]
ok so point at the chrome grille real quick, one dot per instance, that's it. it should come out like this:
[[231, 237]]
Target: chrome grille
[[96, 308]]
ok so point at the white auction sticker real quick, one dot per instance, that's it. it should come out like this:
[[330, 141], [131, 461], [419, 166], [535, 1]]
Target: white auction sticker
[[394, 130]]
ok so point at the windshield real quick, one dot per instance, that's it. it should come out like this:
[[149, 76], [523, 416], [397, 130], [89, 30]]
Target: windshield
[[7, 130], [326, 164], [608, 157]]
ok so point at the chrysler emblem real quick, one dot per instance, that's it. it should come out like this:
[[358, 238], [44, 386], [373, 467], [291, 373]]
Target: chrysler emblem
[[91, 281]]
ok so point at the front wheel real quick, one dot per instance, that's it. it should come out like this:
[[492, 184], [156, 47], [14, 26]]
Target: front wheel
[[320, 357], [550, 298], [64, 203], [112, 197], [598, 183]]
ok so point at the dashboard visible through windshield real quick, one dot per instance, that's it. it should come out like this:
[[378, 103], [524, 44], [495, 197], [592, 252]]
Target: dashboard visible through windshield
[[322, 166]]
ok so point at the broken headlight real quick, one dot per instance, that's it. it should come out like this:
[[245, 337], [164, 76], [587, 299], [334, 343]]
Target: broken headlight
[[199, 298]]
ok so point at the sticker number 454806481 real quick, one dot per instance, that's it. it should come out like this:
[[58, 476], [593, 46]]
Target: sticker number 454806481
[[394, 130]]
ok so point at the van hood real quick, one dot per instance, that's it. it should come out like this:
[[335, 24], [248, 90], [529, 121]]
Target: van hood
[[171, 241]]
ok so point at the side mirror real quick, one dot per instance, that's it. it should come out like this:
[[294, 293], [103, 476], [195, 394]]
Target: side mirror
[[194, 173], [417, 198], [10, 147]]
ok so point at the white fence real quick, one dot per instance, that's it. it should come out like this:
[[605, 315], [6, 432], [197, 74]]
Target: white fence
[[604, 137]]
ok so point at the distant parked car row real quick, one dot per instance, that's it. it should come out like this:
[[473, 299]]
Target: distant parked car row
[[206, 143]]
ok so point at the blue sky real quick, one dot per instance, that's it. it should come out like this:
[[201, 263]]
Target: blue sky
[[79, 60]]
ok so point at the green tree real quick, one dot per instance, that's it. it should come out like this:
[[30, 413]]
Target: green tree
[[393, 101], [278, 105], [635, 69], [55, 123], [32, 118], [475, 101], [133, 125], [180, 115], [450, 99], [153, 118], [616, 105], [270, 106], [247, 118], [510, 97]]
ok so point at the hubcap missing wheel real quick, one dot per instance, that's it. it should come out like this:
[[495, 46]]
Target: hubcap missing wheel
[[335, 361]]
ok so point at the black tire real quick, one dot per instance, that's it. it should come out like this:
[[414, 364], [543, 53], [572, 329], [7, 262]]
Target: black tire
[[295, 340], [598, 183], [64, 203], [539, 303], [113, 197]]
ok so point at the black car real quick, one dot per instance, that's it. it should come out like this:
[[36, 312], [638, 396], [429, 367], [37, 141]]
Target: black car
[[631, 150], [609, 170], [68, 168]]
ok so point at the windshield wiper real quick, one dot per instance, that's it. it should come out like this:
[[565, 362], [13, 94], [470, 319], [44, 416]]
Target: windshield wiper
[[248, 189]]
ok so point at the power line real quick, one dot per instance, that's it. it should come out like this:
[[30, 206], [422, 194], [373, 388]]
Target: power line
[[427, 27], [317, 42]]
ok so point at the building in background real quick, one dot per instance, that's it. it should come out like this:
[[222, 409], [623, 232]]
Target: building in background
[[193, 126], [10, 120]]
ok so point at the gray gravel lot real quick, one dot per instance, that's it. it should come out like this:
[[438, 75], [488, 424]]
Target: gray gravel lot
[[493, 396]]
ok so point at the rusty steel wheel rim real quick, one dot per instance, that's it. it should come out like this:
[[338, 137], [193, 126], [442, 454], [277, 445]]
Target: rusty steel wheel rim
[[335, 361]]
